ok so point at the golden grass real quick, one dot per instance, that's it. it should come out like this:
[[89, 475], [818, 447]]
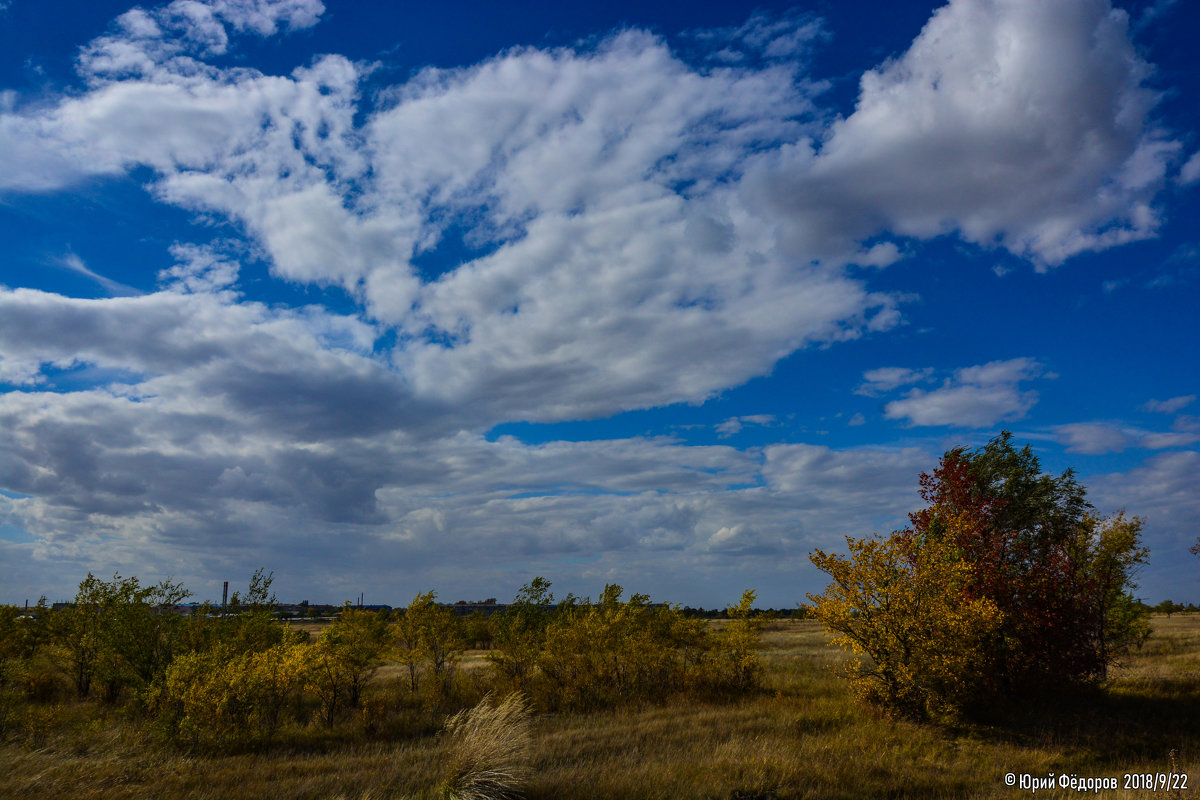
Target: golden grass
[[802, 736], [488, 750]]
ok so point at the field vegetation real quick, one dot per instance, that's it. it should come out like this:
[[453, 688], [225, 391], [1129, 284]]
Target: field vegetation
[[800, 733]]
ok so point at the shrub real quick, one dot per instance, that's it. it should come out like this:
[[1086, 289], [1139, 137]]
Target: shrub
[[901, 602], [611, 652], [583, 655], [224, 700], [737, 646]]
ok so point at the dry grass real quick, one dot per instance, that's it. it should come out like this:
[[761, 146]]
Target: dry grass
[[489, 749], [801, 737]]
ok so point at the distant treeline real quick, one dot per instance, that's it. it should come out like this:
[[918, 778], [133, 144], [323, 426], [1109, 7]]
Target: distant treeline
[[306, 610]]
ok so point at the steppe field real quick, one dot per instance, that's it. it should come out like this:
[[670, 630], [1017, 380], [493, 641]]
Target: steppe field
[[800, 736]]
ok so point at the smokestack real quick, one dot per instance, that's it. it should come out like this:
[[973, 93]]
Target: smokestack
[[225, 595]]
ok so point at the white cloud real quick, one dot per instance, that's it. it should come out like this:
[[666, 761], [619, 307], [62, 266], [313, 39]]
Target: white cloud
[[175, 33], [735, 425], [1023, 124], [1093, 438], [787, 37], [119, 482], [885, 379], [968, 406], [200, 269], [1170, 406], [729, 427], [601, 280], [976, 397], [1164, 441], [1000, 372], [1161, 490], [75, 264], [1190, 172]]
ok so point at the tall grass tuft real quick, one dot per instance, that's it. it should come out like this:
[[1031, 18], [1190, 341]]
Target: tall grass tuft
[[489, 748]]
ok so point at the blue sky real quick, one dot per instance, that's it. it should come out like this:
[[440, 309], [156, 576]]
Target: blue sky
[[389, 299]]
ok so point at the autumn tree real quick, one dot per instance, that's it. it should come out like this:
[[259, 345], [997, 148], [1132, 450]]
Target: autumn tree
[[246, 625], [428, 634], [1059, 574], [519, 633], [345, 658], [254, 626], [1040, 581], [117, 633], [409, 641], [22, 636], [1112, 555]]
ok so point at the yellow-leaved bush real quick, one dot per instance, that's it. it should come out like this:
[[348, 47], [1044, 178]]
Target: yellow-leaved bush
[[900, 602], [610, 651], [221, 699], [737, 644]]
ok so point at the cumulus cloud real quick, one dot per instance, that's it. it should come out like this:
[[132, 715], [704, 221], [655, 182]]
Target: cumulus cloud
[[154, 477], [601, 281], [1018, 124], [142, 39], [975, 397]]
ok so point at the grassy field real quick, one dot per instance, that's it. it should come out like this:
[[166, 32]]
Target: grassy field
[[801, 736]]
